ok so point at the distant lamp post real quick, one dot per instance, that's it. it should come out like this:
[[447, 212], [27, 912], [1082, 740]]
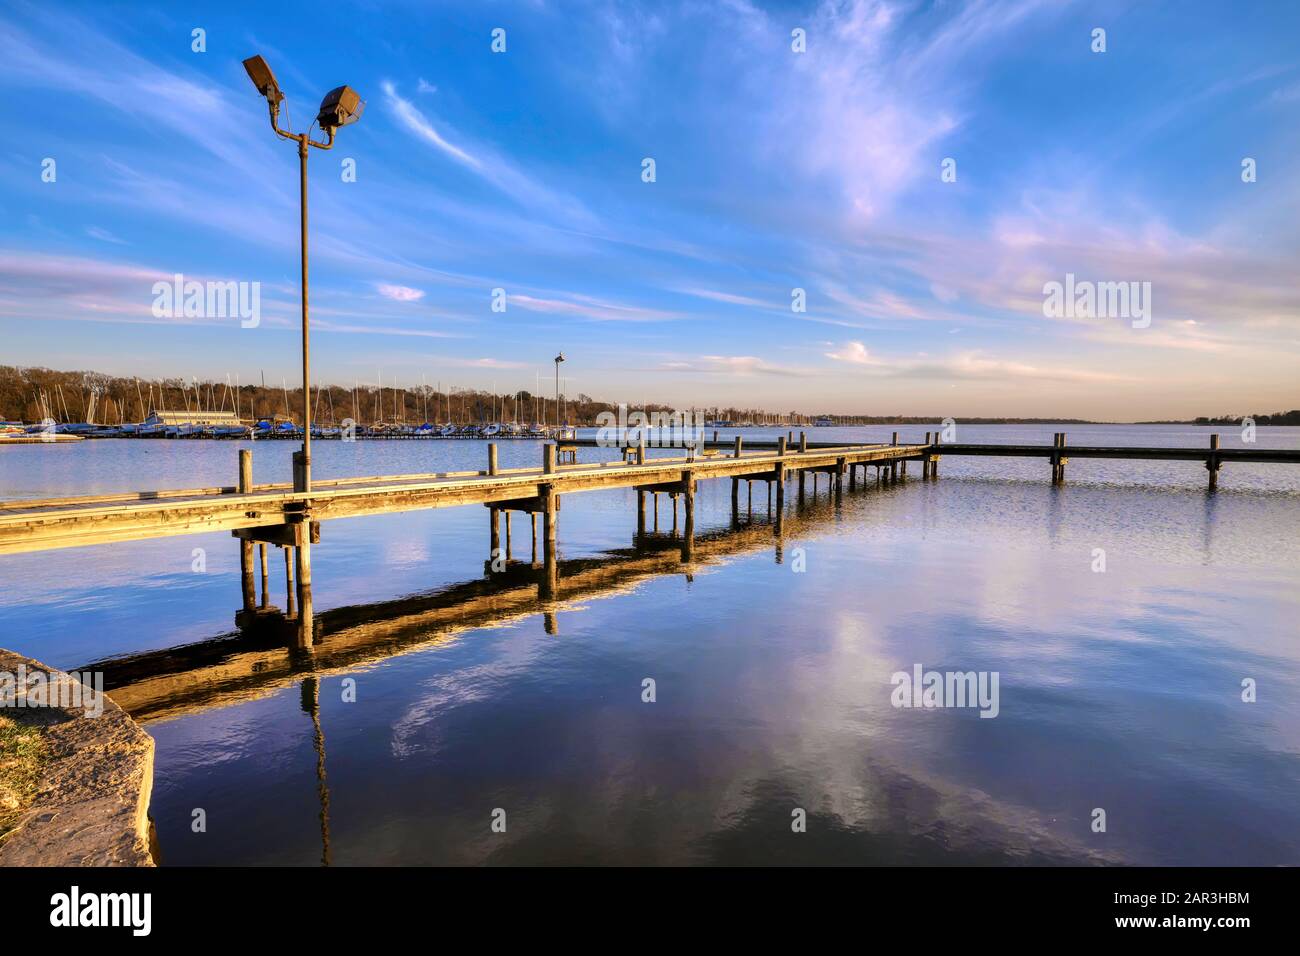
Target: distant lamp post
[[339, 108], [558, 359]]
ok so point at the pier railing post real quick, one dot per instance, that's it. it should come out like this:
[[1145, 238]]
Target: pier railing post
[[738, 446], [492, 458], [803, 442], [548, 459], [780, 446]]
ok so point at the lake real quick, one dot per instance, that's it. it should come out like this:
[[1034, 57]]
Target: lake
[[1121, 613]]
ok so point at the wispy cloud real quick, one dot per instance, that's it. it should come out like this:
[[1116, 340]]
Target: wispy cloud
[[400, 293]]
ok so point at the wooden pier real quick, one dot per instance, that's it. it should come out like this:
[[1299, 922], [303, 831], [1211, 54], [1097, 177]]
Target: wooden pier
[[277, 515]]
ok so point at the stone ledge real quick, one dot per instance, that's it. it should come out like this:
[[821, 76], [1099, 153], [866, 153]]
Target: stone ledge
[[92, 804]]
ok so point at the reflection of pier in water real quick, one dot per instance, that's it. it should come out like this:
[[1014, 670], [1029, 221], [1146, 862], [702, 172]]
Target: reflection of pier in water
[[261, 660]]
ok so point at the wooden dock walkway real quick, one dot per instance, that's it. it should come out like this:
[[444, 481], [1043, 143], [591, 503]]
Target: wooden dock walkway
[[279, 515]]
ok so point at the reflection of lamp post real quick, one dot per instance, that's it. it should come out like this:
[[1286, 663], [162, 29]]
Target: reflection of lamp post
[[339, 108], [558, 359]]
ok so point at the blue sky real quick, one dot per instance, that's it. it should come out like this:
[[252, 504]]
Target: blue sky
[[775, 170]]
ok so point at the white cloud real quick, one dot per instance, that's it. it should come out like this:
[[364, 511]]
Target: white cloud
[[400, 293]]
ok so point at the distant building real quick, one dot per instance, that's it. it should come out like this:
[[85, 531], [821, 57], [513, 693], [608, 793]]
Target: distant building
[[159, 417]]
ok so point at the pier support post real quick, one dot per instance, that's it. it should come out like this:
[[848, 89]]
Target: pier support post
[[1058, 467], [780, 496], [508, 554], [735, 496], [548, 459], [550, 519], [780, 446], [246, 546], [688, 493], [893, 465], [640, 512], [266, 584], [738, 447], [803, 442], [494, 533], [303, 551], [533, 516], [1212, 463], [288, 580], [925, 462], [492, 458]]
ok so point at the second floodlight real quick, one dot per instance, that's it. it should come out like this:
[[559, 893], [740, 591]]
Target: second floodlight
[[339, 108]]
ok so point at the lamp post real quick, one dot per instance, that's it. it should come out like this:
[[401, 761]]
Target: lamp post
[[558, 359], [340, 107]]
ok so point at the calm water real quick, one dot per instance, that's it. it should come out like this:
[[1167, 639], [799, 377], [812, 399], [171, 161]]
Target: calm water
[[771, 656]]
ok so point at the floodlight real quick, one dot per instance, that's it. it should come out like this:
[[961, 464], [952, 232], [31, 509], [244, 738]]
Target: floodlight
[[260, 73], [339, 108]]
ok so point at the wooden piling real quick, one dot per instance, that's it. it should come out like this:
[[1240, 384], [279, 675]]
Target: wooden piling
[[494, 532], [288, 580], [550, 521], [303, 563], [548, 459], [738, 447], [265, 582], [688, 493], [803, 442], [492, 458], [246, 545], [780, 496], [1212, 464]]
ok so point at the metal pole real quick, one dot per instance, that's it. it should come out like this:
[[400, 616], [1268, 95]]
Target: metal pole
[[306, 380]]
